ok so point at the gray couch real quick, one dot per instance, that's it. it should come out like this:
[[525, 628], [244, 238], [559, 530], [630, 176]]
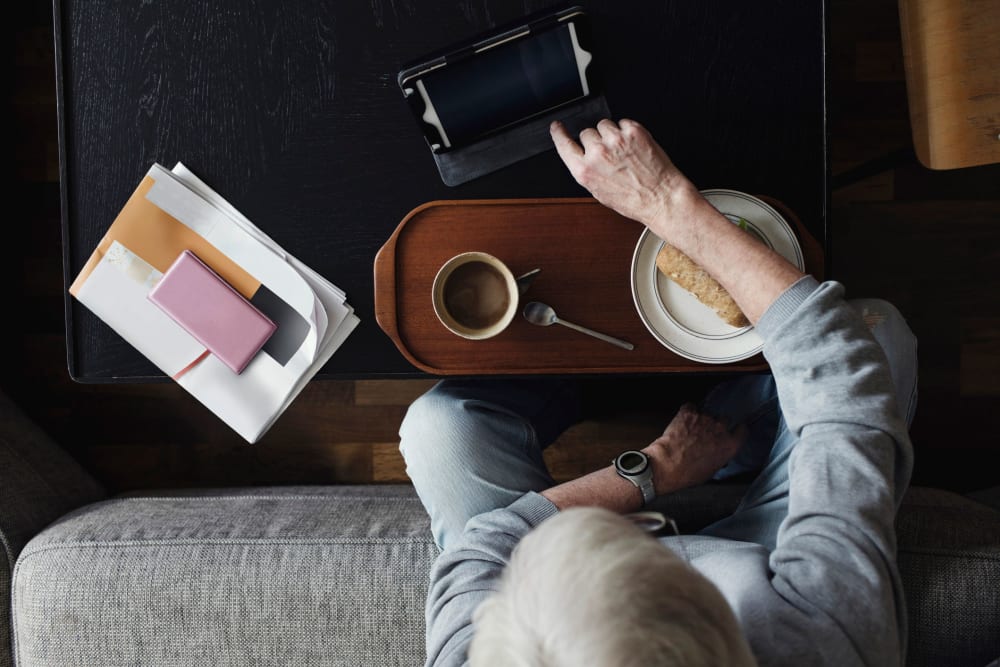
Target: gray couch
[[336, 575]]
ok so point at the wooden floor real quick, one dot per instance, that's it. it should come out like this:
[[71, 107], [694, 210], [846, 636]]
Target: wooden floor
[[928, 241]]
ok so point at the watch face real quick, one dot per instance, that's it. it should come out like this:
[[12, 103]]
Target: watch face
[[632, 463]]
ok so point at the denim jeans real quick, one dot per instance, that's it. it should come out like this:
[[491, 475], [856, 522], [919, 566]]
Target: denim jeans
[[472, 446]]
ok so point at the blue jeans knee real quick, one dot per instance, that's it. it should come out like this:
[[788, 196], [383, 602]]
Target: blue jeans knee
[[469, 449]]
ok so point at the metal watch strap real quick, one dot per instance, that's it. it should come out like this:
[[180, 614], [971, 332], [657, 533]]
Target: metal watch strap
[[648, 491]]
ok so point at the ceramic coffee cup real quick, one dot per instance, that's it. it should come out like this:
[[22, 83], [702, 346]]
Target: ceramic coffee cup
[[475, 295]]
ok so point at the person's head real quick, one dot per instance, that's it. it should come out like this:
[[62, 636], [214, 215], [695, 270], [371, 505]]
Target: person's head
[[588, 587]]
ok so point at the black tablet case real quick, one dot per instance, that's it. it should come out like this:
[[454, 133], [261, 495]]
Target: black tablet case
[[516, 144], [523, 140]]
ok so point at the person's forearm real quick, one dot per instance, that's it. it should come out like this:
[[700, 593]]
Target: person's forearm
[[601, 488], [753, 274], [606, 488], [626, 170]]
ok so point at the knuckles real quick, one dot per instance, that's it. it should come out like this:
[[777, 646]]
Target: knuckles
[[617, 142], [585, 176]]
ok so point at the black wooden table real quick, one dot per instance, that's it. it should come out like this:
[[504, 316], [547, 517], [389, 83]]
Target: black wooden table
[[291, 111]]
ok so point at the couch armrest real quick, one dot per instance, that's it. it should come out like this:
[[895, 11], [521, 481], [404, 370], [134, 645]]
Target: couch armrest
[[328, 576], [949, 559], [39, 482]]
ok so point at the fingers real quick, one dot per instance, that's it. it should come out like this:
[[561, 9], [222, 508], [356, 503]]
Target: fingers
[[568, 150], [629, 126], [612, 130], [590, 139], [687, 408], [684, 416], [692, 411], [609, 130]]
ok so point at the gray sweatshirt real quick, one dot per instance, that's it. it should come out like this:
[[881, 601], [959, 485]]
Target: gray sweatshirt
[[829, 593]]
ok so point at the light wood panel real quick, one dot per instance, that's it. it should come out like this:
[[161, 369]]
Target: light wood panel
[[952, 55]]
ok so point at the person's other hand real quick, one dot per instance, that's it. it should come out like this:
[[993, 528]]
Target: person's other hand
[[693, 446], [625, 169]]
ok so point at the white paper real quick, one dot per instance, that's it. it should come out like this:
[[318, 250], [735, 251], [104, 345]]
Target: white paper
[[252, 401], [121, 302]]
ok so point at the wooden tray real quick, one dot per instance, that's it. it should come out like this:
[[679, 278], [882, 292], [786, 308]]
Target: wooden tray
[[584, 251]]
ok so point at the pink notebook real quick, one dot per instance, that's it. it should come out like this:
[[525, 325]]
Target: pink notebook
[[209, 309]]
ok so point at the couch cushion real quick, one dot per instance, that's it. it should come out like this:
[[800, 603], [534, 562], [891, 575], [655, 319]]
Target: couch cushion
[[328, 575], [281, 575]]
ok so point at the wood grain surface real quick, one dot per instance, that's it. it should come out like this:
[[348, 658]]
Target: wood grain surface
[[584, 251], [291, 111], [951, 52]]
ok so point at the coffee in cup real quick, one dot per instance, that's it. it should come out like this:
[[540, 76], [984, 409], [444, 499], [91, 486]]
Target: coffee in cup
[[475, 295]]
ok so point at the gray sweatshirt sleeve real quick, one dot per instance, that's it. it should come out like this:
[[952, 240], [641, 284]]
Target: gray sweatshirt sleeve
[[834, 564], [831, 584], [468, 572]]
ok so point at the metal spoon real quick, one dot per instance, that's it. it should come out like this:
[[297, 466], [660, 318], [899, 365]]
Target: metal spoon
[[524, 281], [543, 315]]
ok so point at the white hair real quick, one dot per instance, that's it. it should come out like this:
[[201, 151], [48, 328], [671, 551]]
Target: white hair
[[588, 587]]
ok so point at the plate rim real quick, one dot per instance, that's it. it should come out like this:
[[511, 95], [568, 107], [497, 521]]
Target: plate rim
[[750, 330]]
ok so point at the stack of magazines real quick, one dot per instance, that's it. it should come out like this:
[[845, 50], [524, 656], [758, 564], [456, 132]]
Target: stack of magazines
[[213, 272]]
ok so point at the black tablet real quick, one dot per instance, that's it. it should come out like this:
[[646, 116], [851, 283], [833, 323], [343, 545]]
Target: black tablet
[[501, 79]]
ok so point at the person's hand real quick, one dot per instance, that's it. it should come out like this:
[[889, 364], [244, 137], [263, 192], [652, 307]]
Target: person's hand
[[693, 446], [625, 169]]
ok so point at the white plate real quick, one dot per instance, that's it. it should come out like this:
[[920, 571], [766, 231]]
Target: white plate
[[675, 317]]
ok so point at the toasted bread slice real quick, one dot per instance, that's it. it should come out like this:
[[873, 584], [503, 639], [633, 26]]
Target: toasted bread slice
[[682, 270]]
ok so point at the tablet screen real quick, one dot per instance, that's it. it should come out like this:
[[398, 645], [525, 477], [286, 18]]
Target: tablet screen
[[506, 84]]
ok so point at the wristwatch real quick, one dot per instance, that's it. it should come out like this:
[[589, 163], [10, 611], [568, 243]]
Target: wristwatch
[[634, 466]]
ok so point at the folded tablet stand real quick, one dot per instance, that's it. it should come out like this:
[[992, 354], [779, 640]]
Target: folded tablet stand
[[518, 143]]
